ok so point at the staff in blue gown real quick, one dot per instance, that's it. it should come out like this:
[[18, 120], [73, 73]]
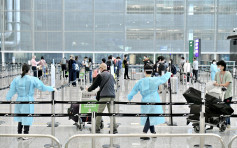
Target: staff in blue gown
[[24, 86], [213, 69], [148, 89]]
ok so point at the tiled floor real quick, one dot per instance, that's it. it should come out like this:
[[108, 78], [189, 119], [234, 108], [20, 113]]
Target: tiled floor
[[128, 125]]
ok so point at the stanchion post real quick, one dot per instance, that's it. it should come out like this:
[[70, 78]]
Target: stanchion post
[[62, 98], [202, 117], [93, 122], [234, 77], [53, 118], [111, 122]]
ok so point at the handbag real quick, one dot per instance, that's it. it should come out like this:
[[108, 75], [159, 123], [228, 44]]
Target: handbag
[[98, 93]]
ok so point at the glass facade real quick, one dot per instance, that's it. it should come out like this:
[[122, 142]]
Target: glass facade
[[115, 26]]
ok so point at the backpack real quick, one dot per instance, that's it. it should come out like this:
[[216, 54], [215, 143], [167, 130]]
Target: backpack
[[75, 67], [173, 69]]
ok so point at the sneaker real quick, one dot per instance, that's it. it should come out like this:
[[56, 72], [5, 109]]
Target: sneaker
[[115, 131], [25, 138], [154, 133], [19, 138], [228, 126], [145, 138]]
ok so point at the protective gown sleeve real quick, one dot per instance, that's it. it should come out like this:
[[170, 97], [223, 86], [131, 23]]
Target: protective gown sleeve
[[134, 91], [161, 80], [12, 90], [40, 85]]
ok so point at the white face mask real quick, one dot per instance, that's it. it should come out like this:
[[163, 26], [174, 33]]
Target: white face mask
[[214, 63], [170, 62]]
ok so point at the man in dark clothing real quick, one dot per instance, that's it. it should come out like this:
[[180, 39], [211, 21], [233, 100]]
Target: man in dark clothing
[[107, 82], [125, 62], [72, 72], [109, 63]]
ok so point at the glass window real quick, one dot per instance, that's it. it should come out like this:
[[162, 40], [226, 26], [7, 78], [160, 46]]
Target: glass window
[[48, 21], [78, 21], [78, 5], [48, 41], [109, 42], [19, 57], [48, 57], [79, 41], [109, 22], [48, 5], [109, 5]]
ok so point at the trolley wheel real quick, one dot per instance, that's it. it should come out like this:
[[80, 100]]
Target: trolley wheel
[[102, 125], [196, 128], [222, 127]]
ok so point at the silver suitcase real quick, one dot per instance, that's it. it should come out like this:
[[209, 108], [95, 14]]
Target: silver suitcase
[[174, 85]]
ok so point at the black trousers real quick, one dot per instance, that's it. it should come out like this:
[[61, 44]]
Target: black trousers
[[20, 127], [188, 75], [195, 73], [148, 126], [64, 69], [34, 71], [126, 73]]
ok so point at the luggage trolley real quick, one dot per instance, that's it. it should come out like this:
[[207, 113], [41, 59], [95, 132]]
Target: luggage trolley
[[216, 111], [84, 108]]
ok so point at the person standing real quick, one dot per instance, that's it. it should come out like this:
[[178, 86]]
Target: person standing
[[24, 86], [125, 63], [64, 66], [213, 69], [195, 69], [187, 70], [72, 72], [42, 65], [90, 64], [105, 81], [223, 78], [34, 65], [148, 89]]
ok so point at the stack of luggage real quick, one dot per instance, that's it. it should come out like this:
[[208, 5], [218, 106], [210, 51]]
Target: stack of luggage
[[216, 111]]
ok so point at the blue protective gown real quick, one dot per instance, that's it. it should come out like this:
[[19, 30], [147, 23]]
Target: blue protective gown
[[148, 89], [24, 88], [214, 70]]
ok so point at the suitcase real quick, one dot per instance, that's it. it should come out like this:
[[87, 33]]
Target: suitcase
[[74, 109], [174, 85]]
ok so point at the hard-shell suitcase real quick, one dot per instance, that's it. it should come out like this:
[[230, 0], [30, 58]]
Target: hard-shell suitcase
[[73, 110], [174, 85]]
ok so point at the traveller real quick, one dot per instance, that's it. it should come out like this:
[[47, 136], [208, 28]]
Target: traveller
[[125, 63], [106, 82], [34, 65], [148, 89], [223, 78], [24, 86], [213, 69], [195, 69]]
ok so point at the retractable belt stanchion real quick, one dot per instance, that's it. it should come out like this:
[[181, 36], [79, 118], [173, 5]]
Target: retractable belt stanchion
[[93, 122], [52, 123], [234, 77], [111, 145], [202, 117]]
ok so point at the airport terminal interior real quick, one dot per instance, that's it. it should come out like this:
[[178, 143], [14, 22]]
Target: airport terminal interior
[[168, 66]]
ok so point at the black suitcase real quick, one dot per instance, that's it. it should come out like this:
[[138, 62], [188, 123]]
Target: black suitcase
[[73, 110]]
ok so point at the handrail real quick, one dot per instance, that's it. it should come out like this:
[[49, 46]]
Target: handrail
[[145, 135], [231, 141], [33, 135]]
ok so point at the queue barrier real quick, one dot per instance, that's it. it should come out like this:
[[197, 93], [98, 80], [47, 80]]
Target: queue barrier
[[34, 135], [143, 135]]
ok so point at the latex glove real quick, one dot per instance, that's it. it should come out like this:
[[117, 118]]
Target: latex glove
[[55, 89]]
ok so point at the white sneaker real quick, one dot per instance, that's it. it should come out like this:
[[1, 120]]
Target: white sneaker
[[25, 138]]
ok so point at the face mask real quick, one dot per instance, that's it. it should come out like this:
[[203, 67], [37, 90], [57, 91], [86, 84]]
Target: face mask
[[218, 69], [214, 63], [170, 62]]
